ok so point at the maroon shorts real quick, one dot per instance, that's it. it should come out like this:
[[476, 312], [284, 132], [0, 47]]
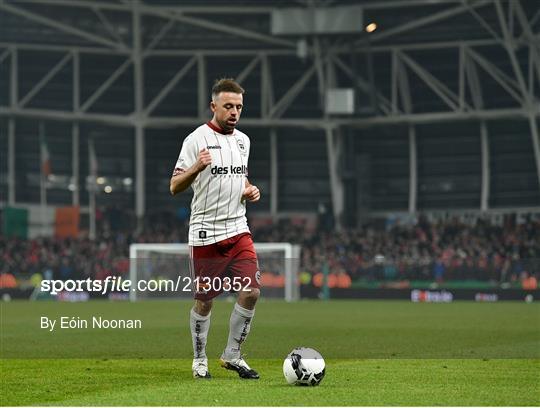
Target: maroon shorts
[[228, 265]]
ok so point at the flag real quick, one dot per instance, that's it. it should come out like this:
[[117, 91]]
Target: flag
[[92, 158], [15, 222], [45, 157], [93, 170], [67, 222], [45, 173]]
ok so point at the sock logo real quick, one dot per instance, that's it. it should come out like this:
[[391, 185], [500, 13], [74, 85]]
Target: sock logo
[[202, 234], [199, 344], [245, 332]]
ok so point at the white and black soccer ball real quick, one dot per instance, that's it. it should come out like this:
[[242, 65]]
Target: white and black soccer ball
[[304, 366]]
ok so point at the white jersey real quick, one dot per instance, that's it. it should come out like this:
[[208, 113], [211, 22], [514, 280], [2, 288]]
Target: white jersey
[[217, 211]]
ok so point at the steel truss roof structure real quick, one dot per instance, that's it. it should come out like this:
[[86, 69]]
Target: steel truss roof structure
[[430, 61]]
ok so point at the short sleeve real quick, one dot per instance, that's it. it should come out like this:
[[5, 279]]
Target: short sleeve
[[187, 157], [247, 141]]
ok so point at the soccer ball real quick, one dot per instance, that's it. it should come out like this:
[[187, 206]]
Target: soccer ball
[[304, 366]]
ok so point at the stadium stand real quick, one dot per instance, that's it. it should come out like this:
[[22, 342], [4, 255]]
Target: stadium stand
[[444, 251]]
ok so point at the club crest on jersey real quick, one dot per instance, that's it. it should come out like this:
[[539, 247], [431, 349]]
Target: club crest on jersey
[[241, 146]]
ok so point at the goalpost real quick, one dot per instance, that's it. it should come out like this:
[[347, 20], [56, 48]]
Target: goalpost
[[163, 271]]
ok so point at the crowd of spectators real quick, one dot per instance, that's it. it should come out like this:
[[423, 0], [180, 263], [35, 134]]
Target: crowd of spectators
[[438, 251], [429, 251]]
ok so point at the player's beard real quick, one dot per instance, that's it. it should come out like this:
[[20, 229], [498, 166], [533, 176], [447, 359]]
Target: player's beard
[[226, 126]]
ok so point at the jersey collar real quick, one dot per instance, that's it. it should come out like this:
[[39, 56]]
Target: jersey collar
[[218, 129]]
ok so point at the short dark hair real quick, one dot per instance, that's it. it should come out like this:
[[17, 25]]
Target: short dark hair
[[226, 85]]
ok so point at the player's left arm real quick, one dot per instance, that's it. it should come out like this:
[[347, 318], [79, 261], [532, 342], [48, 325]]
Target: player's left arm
[[251, 192]]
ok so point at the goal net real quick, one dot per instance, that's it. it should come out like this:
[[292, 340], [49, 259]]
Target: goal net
[[164, 271]]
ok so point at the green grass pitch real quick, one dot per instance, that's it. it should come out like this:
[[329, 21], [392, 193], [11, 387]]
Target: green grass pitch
[[377, 353]]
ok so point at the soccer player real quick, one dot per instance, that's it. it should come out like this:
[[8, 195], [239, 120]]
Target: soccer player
[[214, 161]]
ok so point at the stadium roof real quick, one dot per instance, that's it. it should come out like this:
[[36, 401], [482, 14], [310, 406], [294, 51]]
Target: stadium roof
[[243, 24], [149, 64]]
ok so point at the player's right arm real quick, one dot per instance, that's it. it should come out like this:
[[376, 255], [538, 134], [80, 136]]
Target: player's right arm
[[183, 178]]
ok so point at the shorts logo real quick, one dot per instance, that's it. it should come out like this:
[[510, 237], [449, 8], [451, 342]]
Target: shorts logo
[[202, 234], [203, 288], [258, 277]]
